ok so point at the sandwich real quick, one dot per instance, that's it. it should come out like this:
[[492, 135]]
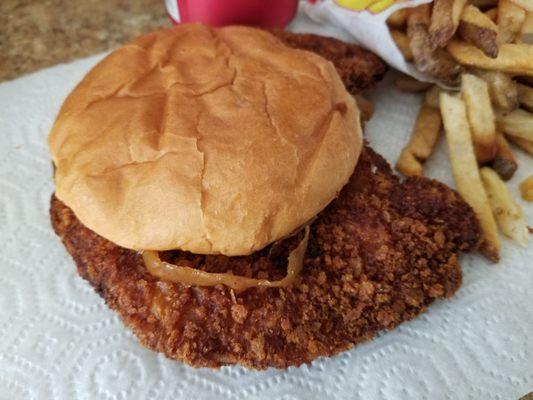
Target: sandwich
[[214, 187]]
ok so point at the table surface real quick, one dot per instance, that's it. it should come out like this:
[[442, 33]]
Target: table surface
[[39, 33]]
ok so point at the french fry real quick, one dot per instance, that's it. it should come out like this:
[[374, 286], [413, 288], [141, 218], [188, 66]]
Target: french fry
[[507, 212], [502, 89], [478, 29], [524, 144], [419, 15], [407, 83], [512, 58], [442, 67], [526, 188], [526, 31], [465, 170], [366, 107], [397, 19], [475, 94], [517, 123], [432, 96], [425, 132], [423, 138], [439, 63], [525, 96], [525, 4], [510, 20], [484, 4], [457, 10], [441, 26], [492, 14], [408, 165], [504, 162], [444, 20], [401, 40]]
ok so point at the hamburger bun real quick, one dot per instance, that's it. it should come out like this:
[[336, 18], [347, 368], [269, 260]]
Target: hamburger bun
[[213, 141]]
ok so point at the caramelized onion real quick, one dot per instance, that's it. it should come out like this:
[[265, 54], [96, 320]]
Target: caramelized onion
[[191, 276]]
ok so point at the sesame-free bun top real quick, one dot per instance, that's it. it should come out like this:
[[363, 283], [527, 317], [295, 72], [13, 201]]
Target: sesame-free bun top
[[214, 141]]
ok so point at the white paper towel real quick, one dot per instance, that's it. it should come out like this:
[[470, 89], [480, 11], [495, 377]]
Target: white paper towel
[[58, 340]]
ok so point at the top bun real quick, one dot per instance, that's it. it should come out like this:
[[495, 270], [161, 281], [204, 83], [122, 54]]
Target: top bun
[[214, 141]]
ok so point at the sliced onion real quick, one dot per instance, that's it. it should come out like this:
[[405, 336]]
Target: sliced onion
[[191, 276]]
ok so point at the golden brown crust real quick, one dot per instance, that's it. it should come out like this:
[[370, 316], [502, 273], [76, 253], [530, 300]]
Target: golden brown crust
[[377, 256], [359, 69]]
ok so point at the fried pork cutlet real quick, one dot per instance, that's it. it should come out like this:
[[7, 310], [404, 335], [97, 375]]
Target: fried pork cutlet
[[378, 255], [359, 69]]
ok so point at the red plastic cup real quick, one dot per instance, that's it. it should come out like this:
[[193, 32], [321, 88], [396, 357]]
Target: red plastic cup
[[262, 13]]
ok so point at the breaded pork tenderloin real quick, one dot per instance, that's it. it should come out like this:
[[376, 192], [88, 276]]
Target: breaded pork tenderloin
[[378, 255]]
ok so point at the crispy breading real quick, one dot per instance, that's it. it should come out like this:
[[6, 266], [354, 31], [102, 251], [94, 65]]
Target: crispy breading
[[378, 255], [359, 69]]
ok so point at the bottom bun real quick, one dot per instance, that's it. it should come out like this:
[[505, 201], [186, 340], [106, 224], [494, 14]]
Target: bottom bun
[[377, 256]]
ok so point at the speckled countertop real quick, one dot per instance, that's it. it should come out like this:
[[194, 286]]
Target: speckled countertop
[[39, 33]]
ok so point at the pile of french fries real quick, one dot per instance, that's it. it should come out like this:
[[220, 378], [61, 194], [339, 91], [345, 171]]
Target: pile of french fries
[[484, 47], [477, 123], [446, 37]]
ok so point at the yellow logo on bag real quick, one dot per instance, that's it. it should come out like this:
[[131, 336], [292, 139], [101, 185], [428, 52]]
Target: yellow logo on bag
[[374, 6]]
